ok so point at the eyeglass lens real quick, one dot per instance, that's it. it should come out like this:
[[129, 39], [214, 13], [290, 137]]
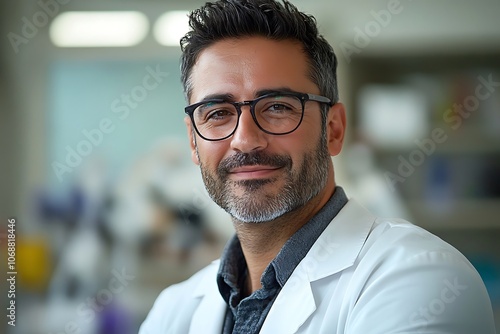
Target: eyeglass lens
[[275, 114]]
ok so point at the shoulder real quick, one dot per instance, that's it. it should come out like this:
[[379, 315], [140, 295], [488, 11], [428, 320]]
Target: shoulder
[[424, 282], [175, 305], [399, 240]]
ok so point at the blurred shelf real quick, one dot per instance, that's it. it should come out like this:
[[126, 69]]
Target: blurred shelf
[[462, 168], [462, 214], [468, 139], [471, 139]]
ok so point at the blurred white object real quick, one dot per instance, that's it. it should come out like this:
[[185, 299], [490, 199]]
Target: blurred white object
[[392, 116], [167, 169], [368, 185], [99, 29], [171, 27]]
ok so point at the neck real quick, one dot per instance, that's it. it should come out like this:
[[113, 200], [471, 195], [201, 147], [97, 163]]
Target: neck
[[261, 242]]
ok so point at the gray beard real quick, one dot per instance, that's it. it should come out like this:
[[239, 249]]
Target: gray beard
[[254, 206]]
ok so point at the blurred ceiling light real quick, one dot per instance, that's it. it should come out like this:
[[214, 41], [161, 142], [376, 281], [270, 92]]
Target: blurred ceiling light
[[170, 27], [99, 29]]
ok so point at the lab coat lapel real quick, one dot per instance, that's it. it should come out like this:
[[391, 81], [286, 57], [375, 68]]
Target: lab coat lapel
[[294, 304], [210, 313], [340, 244], [335, 250]]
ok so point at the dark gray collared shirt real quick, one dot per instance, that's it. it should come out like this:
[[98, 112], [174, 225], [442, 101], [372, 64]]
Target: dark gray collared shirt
[[246, 316]]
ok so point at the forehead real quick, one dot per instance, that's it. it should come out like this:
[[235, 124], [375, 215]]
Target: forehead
[[243, 66]]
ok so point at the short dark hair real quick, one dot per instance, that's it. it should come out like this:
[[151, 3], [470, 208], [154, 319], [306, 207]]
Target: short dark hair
[[272, 19]]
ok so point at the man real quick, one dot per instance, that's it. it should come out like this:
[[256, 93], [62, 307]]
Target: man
[[263, 120]]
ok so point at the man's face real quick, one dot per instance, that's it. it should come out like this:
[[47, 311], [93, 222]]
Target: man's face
[[255, 176]]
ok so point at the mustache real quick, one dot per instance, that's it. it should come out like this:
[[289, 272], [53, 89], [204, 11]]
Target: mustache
[[252, 159]]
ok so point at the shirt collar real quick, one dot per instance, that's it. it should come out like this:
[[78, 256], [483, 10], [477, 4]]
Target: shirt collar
[[232, 270]]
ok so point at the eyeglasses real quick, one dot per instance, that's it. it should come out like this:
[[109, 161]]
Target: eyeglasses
[[277, 113]]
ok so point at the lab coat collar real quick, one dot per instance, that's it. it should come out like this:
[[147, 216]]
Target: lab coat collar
[[340, 244]]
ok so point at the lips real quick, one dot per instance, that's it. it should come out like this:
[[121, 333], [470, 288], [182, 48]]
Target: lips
[[249, 169], [253, 172], [254, 165]]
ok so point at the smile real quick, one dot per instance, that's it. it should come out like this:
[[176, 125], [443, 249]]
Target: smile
[[253, 172]]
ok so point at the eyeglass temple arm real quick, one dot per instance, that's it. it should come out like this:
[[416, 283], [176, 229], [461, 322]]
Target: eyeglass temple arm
[[321, 99]]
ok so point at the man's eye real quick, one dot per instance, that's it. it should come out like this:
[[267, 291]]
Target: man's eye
[[278, 107], [218, 114]]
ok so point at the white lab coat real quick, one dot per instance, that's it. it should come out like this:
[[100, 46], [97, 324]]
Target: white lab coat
[[364, 275]]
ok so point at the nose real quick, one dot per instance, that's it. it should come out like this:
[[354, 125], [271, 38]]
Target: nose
[[248, 137]]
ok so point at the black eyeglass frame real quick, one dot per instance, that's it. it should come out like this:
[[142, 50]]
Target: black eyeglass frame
[[303, 97]]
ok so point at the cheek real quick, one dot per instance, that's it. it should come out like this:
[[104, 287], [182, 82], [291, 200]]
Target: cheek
[[210, 153], [295, 147], [303, 145], [307, 136], [310, 127]]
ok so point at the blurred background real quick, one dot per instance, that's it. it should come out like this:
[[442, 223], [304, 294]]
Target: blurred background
[[95, 164]]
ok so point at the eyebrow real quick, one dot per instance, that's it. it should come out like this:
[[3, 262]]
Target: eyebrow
[[274, 90], [218, 96], [259, 93]]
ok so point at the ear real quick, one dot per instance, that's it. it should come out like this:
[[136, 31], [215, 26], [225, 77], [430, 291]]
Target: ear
[[335, 127], [192, 140]]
